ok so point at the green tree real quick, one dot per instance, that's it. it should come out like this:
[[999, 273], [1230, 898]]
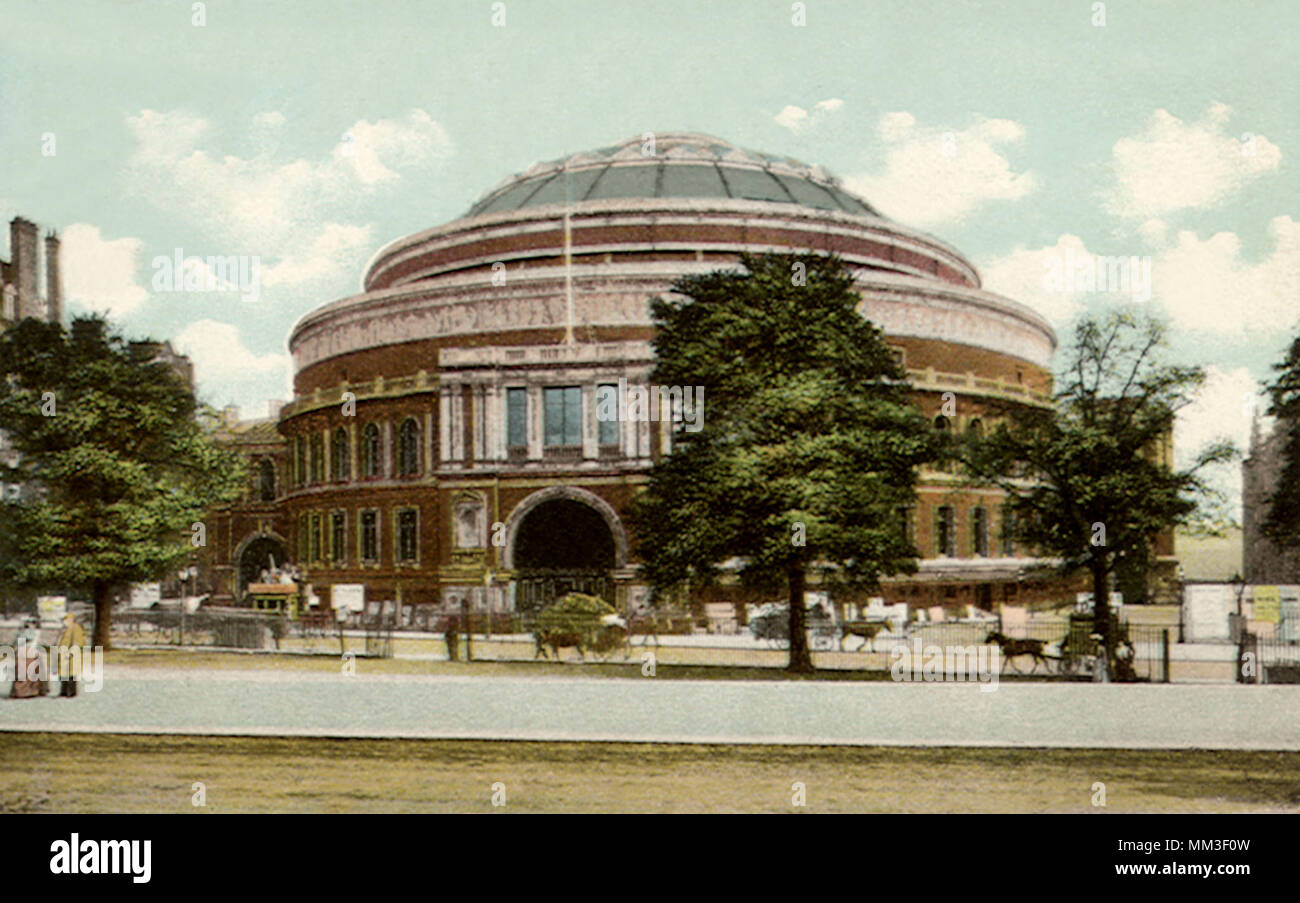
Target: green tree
[[120, 465], [809, 442], [1088, 479], [1282, 523]]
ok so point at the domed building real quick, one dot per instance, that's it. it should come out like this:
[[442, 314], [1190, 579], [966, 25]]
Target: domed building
[[442, 444]]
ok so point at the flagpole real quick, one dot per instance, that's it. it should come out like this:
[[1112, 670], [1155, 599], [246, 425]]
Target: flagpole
[[568, 258]]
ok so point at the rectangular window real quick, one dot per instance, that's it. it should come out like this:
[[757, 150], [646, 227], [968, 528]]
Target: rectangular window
[[904, 515], [980, 532], [369, 536], [408, 534], [338, 532], [517, 418], [317, 457], [563, 415], [1008, 531], [607, 403], [304, 547], [315, 537], [945, 533]]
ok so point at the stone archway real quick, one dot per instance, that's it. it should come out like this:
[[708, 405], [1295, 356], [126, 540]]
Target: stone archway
[[573, 494], [563, 540], [254, 554]]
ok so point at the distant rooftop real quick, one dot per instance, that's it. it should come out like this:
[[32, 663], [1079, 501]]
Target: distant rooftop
[[684, 165]]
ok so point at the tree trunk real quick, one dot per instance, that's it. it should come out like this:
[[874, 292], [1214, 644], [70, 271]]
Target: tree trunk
[[1101, 615], [800, 657], [103, 614]]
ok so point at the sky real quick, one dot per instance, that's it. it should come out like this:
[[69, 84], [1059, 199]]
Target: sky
[[1029, 135]]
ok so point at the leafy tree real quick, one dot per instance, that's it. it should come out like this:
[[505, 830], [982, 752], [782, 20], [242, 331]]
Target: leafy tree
[[114, 448], [1282, 523], [809, 443], [1088, 479]]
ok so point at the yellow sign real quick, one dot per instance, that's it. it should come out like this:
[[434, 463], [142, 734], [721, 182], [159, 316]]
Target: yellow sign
[[1268, 604]]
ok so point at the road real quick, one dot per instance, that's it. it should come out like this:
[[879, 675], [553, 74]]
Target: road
[[147, 700]]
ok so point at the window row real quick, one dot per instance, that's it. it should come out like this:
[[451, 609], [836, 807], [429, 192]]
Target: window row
[[337, 539], [945, 531], [309, 462], [561, 417]]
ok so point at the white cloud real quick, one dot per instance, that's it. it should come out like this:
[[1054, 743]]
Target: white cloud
[[278, 210], [797, 119], [228, 372], [371, 148], [934, 175], [1173, 165], [100, 274], [1201, 285], [334, 252], [1022, 275], [1223, 409], [791, 117], [1207, 285]]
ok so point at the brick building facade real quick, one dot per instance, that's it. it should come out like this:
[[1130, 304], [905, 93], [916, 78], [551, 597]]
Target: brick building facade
[[442, 444]]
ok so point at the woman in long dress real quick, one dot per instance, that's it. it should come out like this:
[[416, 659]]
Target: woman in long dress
[[29, 665]]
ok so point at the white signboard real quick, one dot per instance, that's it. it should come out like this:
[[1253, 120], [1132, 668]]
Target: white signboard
[[349, 597], [52, 608], [145, 595], [1206, 607]]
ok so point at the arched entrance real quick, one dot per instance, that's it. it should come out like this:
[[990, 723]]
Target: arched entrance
[[260, 553], [563, 543]]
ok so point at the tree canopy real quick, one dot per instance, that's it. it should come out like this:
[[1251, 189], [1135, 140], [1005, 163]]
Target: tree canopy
[[1282, 523], [111, 446], [1090, 479], [809, 442]]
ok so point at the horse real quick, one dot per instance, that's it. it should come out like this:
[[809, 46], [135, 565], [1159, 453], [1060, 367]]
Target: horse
[[557, 640], [1011, 648], [867, 630], [610, 635]]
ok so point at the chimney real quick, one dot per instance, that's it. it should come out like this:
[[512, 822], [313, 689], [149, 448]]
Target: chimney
[[230, 414], [23, 249], [53, 279], [273, 408]]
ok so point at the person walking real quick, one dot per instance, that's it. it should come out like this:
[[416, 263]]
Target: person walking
[[71, 641], [29, 663]]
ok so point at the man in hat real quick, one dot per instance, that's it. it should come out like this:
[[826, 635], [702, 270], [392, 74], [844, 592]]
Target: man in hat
[[72, 638]]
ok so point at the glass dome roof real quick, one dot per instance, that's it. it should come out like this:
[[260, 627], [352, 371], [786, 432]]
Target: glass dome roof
[[684, 165]]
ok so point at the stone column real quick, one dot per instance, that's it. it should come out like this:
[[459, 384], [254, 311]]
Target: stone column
[[535, 423], [590, 447]]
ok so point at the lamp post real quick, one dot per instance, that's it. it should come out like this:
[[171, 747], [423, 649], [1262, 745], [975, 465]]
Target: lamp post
[[487, 600]]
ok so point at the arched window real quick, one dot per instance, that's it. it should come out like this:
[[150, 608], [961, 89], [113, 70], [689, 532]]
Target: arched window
[[408, 447], [300, 461], [317, 458], [943, 426], [370, 451], [266, 480], [342, 461], [975, 429], [980, 532], [945, 533]]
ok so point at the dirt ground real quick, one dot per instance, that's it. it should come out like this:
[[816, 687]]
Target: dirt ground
[[116, 773]]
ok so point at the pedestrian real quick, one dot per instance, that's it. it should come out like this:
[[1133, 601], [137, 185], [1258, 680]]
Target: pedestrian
[[29, 663], [71, 641]]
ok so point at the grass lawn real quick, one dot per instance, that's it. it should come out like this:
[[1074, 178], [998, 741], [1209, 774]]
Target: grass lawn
[[116, 773]]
